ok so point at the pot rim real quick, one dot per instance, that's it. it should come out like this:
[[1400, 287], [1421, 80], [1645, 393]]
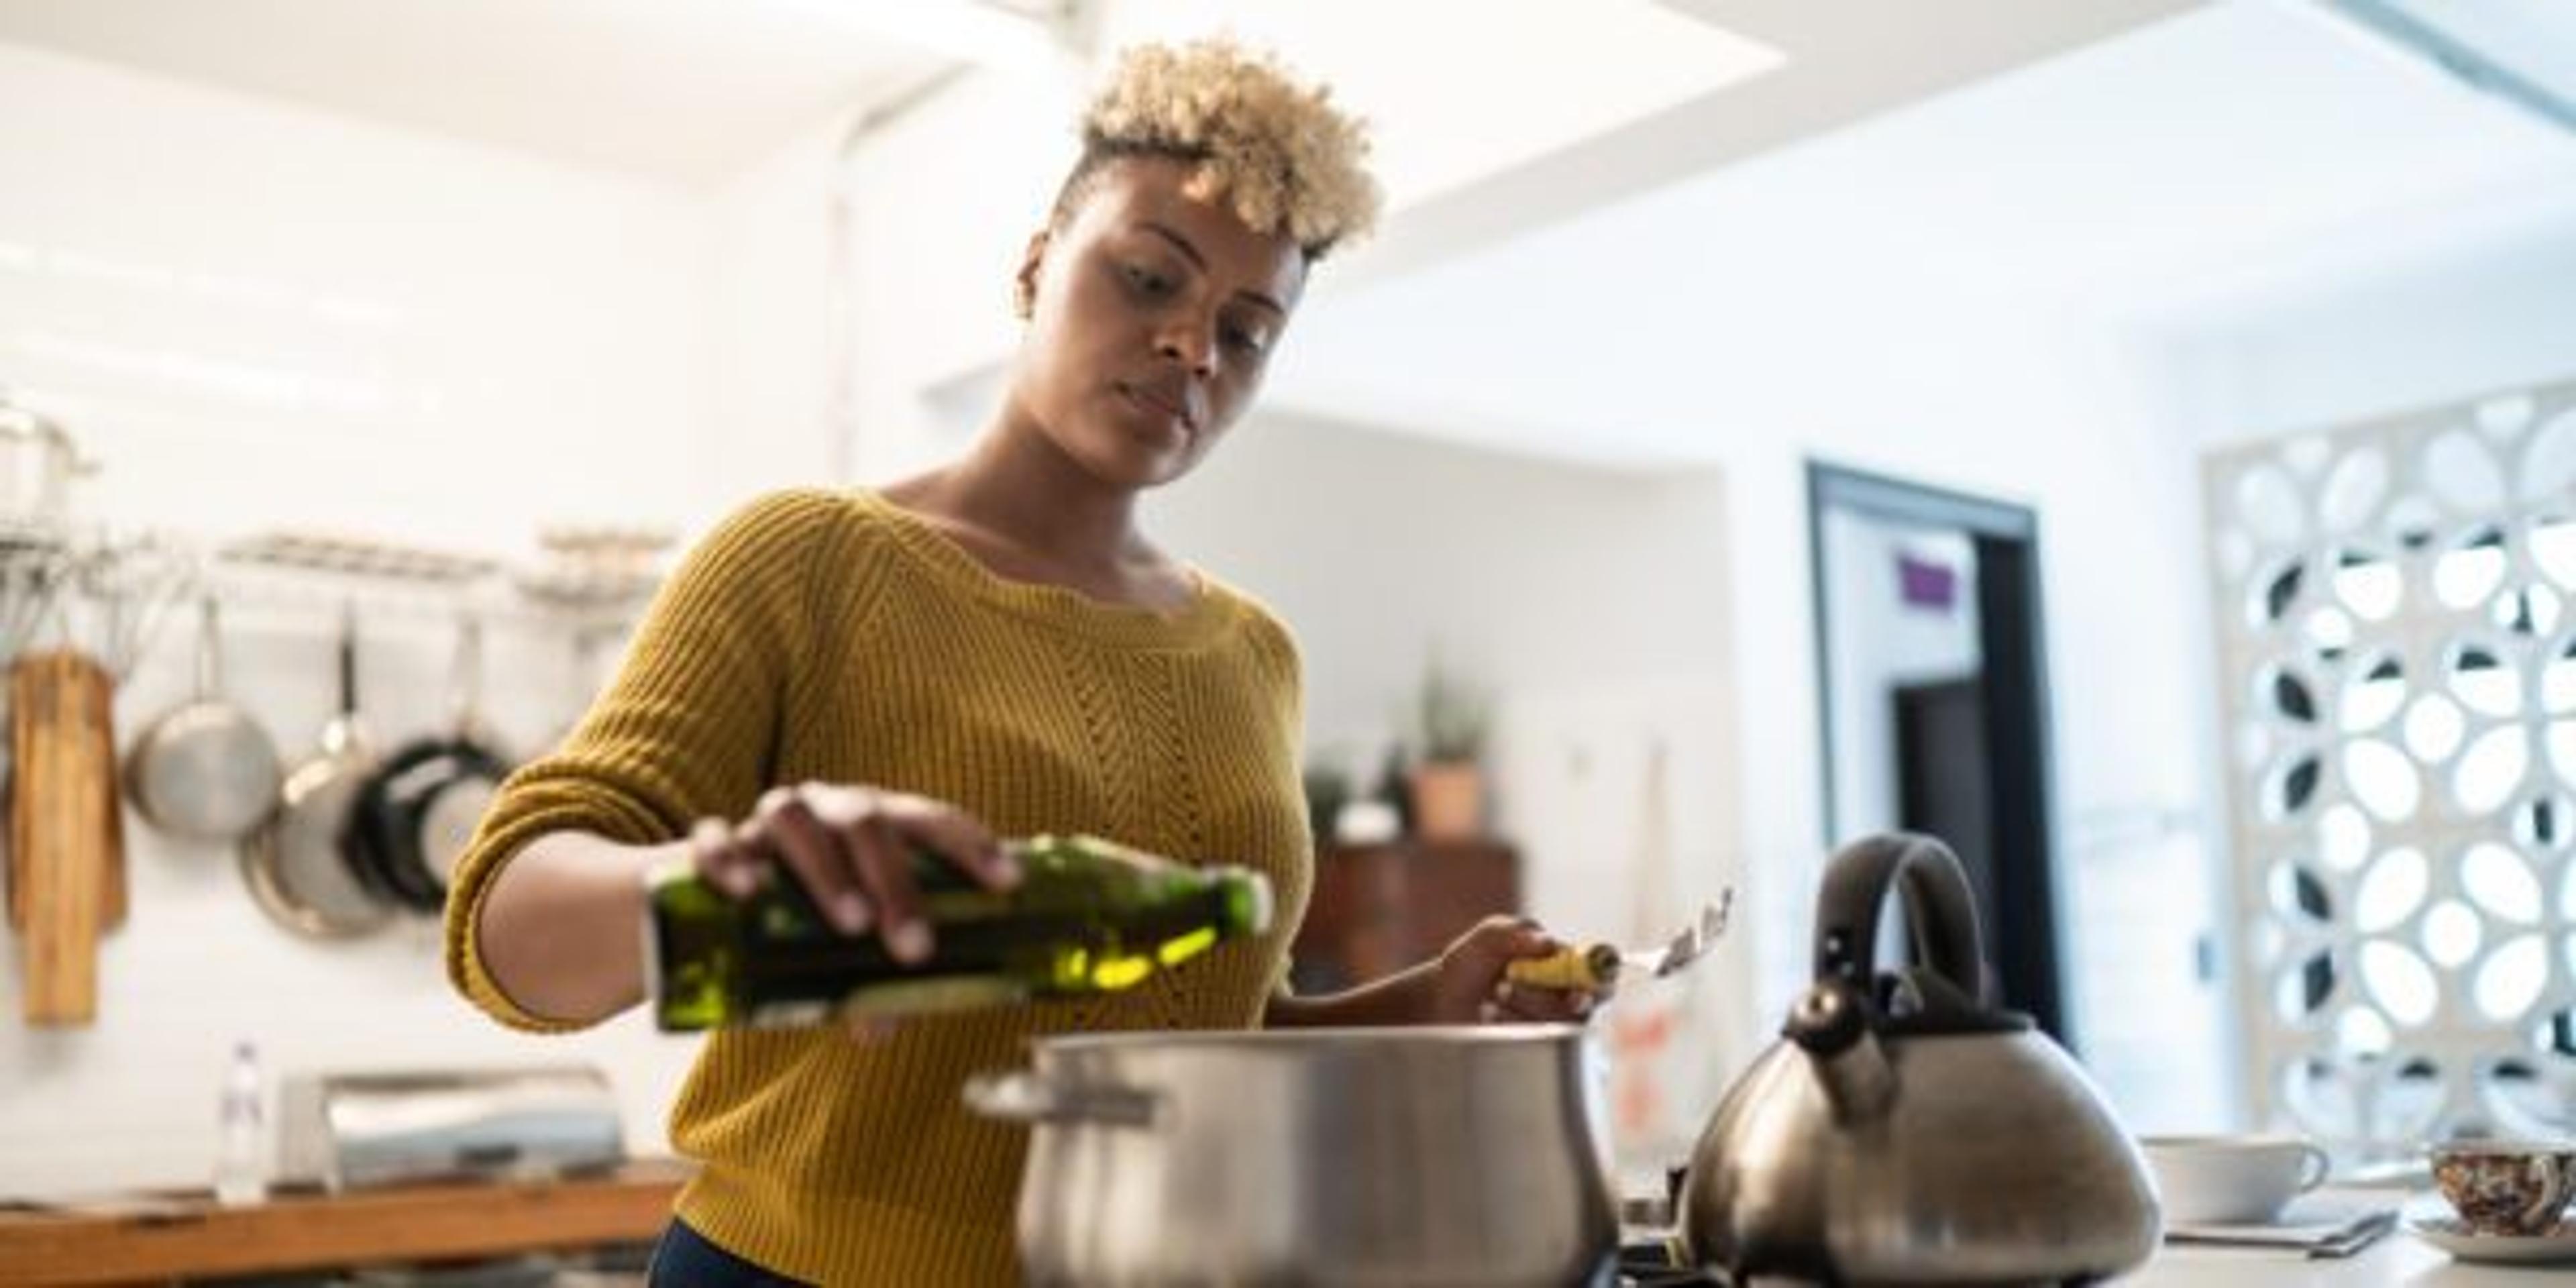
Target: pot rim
[[1287, 1039]]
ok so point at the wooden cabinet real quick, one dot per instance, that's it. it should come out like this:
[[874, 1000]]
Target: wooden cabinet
[[1380, 908], [157, 1241]]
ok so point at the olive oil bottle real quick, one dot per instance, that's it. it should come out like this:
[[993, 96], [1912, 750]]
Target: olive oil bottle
[[1089, 916]]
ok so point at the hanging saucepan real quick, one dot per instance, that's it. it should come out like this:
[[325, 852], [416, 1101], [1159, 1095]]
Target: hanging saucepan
[[205, 770], [38, 464], [418, 810], [296, 864]]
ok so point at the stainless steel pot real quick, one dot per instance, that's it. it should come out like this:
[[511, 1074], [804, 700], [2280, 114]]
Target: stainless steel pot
[[38, 462], [1420, 1157]]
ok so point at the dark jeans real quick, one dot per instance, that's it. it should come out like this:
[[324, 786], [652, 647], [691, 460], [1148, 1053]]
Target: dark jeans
[[684, 1259]]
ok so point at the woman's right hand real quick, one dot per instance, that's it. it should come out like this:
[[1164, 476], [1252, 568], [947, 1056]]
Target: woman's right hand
[[851, 848]]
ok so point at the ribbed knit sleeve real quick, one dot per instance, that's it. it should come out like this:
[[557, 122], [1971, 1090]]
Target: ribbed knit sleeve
[[687, 730]]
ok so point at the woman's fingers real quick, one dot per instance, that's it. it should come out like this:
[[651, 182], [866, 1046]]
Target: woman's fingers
[[951, 834], [884, 864], [879, 862], [1500, 941], [788, 824], [1523, 1004], [728, 865], [853, 850]]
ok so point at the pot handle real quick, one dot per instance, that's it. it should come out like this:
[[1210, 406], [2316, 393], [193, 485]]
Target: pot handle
[[1938, 911], [1031, 1099]]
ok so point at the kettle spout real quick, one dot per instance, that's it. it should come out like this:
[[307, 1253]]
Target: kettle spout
[[1831, 1024]]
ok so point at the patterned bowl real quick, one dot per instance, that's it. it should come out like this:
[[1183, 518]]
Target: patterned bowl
[[2506, 1187]]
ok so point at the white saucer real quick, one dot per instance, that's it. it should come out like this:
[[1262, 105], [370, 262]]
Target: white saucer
[[2525, 1249]]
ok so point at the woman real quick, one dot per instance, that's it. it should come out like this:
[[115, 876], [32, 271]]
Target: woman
[[833, 679]]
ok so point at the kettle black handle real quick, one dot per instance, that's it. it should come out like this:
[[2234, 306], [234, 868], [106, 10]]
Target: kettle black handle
[[1938, 910]]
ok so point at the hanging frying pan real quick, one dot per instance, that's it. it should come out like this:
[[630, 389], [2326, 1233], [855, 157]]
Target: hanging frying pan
[[205, 770], [418, 810], [296, 864]]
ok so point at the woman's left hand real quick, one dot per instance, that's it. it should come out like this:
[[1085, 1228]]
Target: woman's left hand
[[1467, 985]]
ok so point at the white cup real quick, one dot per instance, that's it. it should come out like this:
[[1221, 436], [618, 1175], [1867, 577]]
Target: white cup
[[2231, 1180]]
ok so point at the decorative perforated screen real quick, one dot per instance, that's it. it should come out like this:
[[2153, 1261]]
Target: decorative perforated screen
[[2397, 644]]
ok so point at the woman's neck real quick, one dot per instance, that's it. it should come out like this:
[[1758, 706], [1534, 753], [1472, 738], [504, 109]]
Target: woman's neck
[[1019, 488], [1029, 512]]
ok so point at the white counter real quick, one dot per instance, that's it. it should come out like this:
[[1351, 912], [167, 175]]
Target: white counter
[[2397, 1258]]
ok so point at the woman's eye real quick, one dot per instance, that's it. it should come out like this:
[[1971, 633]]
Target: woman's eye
[[1244, 339], [1147, 281]]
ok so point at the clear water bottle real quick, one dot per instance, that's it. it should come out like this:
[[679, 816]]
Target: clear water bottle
[[240, 1176]]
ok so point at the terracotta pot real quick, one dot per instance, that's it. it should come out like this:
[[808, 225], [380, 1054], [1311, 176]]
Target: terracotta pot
[[1448, 801]]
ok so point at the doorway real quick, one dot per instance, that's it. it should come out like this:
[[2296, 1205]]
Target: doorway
[[1933, 680]]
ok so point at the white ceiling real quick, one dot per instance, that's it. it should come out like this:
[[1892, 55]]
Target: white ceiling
[[2246, 147], [1516, 78], [677, 89]]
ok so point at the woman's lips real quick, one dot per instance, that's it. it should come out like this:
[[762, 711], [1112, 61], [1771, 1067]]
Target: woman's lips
[[1159, 406]]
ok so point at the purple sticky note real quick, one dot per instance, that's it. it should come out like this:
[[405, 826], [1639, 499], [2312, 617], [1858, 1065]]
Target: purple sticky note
[[1922, 583]]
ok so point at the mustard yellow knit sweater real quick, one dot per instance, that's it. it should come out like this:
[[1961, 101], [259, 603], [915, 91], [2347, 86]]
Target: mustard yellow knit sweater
[[833, 637]]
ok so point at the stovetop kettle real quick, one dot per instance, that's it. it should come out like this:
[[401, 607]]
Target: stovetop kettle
[[1903, 1130]]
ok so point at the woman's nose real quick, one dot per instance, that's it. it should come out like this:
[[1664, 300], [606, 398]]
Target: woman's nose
[[1191, 346]]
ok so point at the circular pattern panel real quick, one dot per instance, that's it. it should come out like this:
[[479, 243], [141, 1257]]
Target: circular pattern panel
[[2403, 707]]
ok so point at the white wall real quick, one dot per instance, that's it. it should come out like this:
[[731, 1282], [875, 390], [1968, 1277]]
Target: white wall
[[267, 316], [1595, 601], [2375, 327], [772, 301], [1964, 393]]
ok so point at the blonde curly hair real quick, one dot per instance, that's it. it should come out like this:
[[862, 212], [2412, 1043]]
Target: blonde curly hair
[[1279, 152]]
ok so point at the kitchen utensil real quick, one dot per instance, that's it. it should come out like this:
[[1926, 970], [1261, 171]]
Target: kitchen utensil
[[60, 841], [418, 809], [38, 464], [1596, 967], [1412, 1156], [132, 583], [31, 581], [205, 770], [296, 864], [1903, 1131]]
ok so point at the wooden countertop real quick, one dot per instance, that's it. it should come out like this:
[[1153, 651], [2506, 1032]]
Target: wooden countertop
[[154, 1239]]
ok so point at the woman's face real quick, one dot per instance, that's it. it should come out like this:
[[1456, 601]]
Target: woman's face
[[1153, 316]]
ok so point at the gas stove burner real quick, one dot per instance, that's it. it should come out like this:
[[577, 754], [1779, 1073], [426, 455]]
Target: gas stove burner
[[1659, 1263]]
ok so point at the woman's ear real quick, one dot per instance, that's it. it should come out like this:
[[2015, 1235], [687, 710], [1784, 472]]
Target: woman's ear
[[1024, 291]]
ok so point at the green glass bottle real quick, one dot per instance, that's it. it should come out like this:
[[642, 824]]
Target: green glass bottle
[[1089, 916]]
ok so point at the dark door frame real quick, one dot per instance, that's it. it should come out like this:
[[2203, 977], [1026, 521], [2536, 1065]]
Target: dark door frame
[[2014, 656]]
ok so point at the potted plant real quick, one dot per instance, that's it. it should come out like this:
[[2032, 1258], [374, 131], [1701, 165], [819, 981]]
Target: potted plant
[[1453, 718], [1328, 789]]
